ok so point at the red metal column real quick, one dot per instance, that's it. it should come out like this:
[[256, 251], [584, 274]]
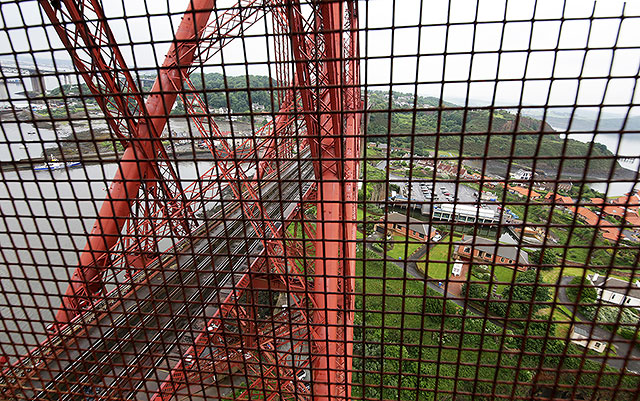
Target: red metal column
[[133, 169], [332, 136]]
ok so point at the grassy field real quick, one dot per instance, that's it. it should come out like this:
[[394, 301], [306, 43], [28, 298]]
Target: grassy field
[[503, 276], [434, 355], [552, 276], [402, 244], [435, 264]]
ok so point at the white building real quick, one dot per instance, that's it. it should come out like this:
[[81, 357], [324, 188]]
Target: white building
[[616, 291], [522, 175], [583, 335], [465, 214], [456, 270]]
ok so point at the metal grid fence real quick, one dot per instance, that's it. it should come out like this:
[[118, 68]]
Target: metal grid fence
[[326, 199]]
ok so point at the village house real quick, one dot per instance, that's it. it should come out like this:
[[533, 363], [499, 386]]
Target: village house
[[608, 230], [524, 192], [397, 223], [257, 107], [552, 197], [531, 234], [633, 219], [616, 291], [614, 211], [523, 175], [583, 335], [543, 185], [565, 186], [630, 199], [484, 250]]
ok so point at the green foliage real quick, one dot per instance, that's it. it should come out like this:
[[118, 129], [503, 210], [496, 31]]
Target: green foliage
[[481, 272], [377, 247], [375, 185], [606, 316], [225, 91], [110, 145], [475, 291], [588, 294], [525, 289], [547, 260], [500, 125], [455, 350], [583, 190]]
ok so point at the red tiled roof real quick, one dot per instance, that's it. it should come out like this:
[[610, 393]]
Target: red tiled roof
[[524, 192], [610, 233], [559, 198], [596, 201], [613, 210], [628, 200], [590, 217], [632, 218]]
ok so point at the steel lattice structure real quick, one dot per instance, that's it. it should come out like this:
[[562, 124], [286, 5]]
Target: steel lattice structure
[[322, 199], [147, 202]]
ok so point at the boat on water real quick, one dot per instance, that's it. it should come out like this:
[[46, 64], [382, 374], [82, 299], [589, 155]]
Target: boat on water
[[56, 165]]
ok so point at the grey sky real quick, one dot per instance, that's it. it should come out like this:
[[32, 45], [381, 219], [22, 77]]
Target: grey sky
[[431, 54]]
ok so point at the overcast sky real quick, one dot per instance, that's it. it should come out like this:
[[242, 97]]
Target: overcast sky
[[432, 54]]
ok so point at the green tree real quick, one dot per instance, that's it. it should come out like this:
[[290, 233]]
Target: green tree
[[476, 291], [587, 294], [546, 260], [526, 289]]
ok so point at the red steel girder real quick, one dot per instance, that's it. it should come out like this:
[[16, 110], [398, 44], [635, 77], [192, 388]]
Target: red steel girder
[[333, 129], [327, 84], [135, 166]]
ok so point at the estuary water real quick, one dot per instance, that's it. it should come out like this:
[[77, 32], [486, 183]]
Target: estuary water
[[627, 145]]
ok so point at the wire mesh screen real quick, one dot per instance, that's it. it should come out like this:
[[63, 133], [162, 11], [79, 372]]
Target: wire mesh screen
[[262, 199]]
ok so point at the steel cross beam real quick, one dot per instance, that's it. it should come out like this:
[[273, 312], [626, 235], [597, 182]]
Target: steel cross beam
[[135, 166]]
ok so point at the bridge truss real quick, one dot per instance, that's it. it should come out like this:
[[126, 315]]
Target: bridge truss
[[151, 219], [204, 199]]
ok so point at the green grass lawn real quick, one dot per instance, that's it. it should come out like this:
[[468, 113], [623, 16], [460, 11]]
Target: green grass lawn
[[552, 276], [453, 352], [435, 264], [503, 276], [402, 244]]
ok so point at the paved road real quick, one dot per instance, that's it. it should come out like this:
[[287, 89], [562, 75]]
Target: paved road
[[623, 346]]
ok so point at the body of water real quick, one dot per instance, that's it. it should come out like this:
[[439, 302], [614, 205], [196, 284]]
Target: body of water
[[627, 145], [46, 218]]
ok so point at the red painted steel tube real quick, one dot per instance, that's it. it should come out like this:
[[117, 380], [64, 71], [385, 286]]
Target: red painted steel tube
[[330, 289], [132, 169]]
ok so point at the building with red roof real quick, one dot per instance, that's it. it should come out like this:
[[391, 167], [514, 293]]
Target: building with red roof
[[633, 219], [555, 198], [613, 210], [632, 199], [611, 233], [588, 216], [525, 192]]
